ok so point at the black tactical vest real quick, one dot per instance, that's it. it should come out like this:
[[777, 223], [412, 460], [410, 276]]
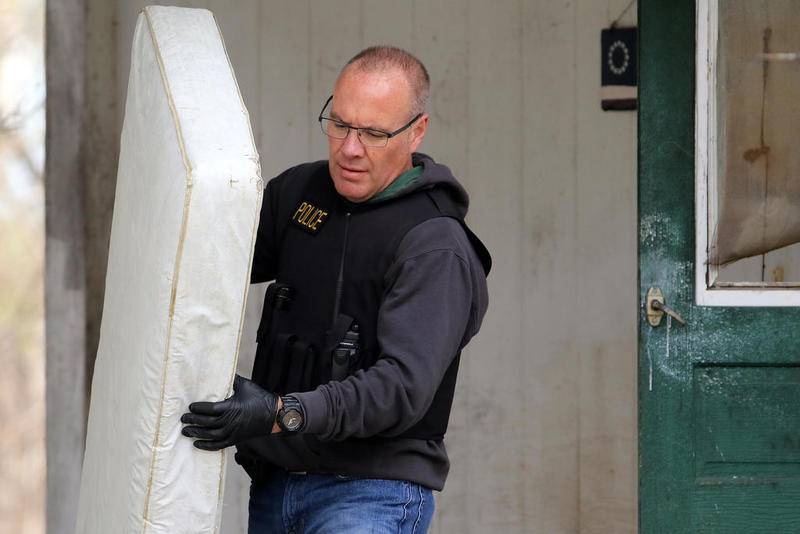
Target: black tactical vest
[[333, 258]]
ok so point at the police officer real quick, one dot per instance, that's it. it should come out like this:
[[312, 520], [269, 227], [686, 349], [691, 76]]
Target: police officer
[[378, 285]]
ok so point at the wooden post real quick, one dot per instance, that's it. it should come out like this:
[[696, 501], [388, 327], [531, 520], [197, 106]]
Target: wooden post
[[82, 141]]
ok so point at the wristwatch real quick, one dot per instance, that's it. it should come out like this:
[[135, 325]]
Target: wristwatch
[[291, 417]]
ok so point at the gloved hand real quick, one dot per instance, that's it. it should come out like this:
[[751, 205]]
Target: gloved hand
[[248, 413]]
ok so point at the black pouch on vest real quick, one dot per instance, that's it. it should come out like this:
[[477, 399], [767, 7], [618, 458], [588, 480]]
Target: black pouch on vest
[[302, 355], [341, 354], [279, 362], [277, 298], [310, 378], [291, 365]]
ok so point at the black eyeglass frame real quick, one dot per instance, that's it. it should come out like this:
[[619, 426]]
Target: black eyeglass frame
[[388, 135]]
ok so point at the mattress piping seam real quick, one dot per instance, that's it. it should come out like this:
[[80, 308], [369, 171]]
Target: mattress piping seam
[[176, 269], [260, 186]]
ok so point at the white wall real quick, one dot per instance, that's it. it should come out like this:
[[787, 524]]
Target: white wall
[[543, 432]]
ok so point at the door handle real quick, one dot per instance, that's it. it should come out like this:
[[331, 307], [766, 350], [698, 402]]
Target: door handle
[[656, 308]]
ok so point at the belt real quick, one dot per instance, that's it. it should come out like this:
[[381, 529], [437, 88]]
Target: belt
[[259, 470]]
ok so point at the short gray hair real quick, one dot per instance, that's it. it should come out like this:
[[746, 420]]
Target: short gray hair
[[380, 58]]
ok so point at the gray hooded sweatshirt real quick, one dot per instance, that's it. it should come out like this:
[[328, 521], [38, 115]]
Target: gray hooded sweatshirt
[[435, 305]]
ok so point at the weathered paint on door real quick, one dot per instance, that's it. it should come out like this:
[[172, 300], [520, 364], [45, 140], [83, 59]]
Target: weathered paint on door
[[719, 398]]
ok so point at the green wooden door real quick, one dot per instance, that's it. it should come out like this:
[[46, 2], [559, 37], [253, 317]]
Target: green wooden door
[[719, 398]]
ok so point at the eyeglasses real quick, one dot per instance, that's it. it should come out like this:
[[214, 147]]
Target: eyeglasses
[[368, 136]]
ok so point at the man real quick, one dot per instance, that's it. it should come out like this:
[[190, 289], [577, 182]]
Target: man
[[378, 286]]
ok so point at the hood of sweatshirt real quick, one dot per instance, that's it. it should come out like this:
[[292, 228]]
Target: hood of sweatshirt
[[430, 175], [427, 174]]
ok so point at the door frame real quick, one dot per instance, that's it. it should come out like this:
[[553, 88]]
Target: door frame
[[666, 253]]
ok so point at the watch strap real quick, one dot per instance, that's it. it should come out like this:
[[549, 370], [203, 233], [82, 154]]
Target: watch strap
[[290, 403]]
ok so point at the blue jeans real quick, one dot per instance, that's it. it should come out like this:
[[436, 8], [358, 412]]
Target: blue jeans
[[335, 504]]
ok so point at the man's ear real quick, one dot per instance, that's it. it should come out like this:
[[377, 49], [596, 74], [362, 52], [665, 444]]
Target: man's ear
[[418, 132]]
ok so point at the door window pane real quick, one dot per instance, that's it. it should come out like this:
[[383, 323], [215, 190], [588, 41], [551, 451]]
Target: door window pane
[[754, 195]]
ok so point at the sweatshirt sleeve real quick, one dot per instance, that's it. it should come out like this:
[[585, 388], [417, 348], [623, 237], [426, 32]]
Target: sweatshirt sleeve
[[422, 324]]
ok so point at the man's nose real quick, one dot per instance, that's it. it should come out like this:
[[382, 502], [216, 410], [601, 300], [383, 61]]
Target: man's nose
[[351, 146]]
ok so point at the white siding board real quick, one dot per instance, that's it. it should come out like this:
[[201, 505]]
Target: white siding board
[[550, 362], [287, 116], [491, 377], [441, 39], [336, 36], [606, 298], [388, 22]]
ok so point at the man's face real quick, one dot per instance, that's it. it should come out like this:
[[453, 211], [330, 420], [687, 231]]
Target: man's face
[[380, 101]]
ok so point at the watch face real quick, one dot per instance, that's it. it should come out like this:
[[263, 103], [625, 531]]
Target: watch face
[[292, 419]]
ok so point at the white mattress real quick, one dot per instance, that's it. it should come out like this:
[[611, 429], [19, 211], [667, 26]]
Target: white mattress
[[186, 211]]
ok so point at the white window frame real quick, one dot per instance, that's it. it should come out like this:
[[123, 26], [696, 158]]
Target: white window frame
[[706, 177]]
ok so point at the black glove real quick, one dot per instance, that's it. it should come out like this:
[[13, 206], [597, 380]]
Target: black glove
[[248, 413]]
